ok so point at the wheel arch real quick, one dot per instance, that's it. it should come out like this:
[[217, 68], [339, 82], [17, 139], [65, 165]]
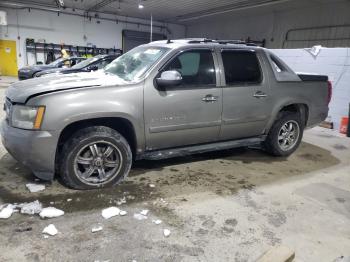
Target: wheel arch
[[300, 108], [119, 124]]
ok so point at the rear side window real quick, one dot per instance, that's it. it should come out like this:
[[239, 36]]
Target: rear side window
[[277, 64], [196, 67], [241, 67]]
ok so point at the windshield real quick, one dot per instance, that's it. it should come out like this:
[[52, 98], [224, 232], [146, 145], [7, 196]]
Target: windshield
[[85, 63], [133, 64], [56, 62]]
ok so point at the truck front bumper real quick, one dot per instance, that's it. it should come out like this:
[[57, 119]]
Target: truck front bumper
[[34, 149]]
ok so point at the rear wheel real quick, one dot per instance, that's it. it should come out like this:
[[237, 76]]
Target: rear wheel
[[95, 157], [285, 135]]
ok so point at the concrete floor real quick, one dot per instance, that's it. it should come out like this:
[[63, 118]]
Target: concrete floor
[[225, 206]]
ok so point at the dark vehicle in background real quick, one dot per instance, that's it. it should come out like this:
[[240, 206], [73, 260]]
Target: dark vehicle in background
[[88, 65], [29, 71]]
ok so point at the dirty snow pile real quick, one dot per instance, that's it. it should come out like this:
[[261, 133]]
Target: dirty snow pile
[[31, 208], [34, 188]]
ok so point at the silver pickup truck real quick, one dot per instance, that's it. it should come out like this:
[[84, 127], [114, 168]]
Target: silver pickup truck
[[160, 100]]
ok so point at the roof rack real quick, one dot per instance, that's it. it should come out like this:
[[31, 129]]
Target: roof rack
[[248, 42], [200, 40]]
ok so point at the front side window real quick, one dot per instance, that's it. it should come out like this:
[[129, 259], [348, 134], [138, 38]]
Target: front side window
[[241, 67], [196, 67]]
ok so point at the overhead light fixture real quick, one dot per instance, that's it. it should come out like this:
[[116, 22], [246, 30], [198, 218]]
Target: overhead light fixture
[[141, 6]]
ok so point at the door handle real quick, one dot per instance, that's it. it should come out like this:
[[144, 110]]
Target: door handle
[[260, 94], [210, 98]]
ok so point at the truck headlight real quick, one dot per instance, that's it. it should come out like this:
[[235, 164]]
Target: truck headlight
[[27, 117]]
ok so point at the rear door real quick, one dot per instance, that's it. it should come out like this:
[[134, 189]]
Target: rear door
[[189, 113], [246, 98]]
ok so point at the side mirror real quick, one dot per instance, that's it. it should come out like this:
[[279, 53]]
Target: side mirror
[[92, 68], [169, 78]]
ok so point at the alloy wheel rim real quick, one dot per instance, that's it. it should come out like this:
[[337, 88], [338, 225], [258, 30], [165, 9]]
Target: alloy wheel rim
[[288, 135], [98, 163]]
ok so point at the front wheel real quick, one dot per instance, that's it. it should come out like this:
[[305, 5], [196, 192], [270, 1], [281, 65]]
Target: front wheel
[[285, 135], [95, 157]]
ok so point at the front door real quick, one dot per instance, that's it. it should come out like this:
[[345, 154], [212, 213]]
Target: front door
[[246, 100], [189, 113], [8, 58]]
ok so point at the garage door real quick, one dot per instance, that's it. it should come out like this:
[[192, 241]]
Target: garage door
[[132, 39], [329, 36]]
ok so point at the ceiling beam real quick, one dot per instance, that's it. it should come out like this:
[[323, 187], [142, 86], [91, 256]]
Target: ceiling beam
[[244, 4]]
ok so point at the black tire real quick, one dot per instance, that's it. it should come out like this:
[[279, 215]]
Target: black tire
[[83, 142], [272, 143]]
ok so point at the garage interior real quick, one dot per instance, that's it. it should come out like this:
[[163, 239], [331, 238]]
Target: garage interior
[[233, 205]]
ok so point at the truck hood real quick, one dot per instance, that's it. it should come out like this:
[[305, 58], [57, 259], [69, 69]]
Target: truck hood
[[19, 92]]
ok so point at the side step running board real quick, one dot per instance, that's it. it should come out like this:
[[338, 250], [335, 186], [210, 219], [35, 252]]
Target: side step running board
[[203, 148]]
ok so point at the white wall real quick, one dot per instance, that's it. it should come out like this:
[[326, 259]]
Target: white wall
[[70, 30], [271, 23], [334, 62]]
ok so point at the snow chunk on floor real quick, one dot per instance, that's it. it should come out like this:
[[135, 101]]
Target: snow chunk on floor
[[110, 212], [31, 208], [157, 221], [166, 232], [121, 201], [144, 212], [122, 213], [50, 212], [7, 211], [50, 230], [97, 228], [140, 217], [33, 188]]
